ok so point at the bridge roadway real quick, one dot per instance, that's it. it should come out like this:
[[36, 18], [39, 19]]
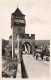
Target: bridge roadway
[[36, 68]]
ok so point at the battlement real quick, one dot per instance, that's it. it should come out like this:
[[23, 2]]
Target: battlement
[[33, 36], [27, 36]]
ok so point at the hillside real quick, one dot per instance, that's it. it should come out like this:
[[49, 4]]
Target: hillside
[[42, 42], [4, 43]]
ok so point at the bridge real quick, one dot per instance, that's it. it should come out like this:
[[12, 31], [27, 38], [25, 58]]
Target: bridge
[[32, 68], [29, 67]]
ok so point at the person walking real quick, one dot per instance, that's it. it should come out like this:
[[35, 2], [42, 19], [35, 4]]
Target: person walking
[[36, 56], [42, 54]]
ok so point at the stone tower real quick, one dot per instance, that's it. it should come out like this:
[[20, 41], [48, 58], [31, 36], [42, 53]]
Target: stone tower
[[18, 27]]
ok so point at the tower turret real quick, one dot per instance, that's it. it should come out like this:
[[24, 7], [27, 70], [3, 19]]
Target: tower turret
[[18, 27], [18, 21]]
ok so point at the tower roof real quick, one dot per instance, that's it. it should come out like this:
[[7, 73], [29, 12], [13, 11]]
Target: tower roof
[[18, 12]]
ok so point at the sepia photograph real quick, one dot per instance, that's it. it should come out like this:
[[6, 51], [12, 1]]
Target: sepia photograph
[[25, 38]]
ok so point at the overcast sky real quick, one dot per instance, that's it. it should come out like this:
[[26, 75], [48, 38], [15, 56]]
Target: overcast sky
[[38, 17]]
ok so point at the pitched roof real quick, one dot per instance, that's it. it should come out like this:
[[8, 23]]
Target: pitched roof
[[18, 12]]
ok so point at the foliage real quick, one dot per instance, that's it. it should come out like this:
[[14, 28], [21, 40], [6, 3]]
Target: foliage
[[9, 66], [4, 43]]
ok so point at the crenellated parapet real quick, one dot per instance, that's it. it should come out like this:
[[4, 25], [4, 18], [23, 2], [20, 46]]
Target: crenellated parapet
[[27, 36], [32, 36]]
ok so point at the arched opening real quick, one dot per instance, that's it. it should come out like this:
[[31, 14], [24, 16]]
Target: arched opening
[[27, 48]]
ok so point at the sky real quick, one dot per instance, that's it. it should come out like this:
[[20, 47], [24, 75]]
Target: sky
[[38, 17]]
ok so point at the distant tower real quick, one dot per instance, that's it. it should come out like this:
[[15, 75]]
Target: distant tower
[[18, 27]]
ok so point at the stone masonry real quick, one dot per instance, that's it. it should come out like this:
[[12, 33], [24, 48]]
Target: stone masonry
[[18, 24]]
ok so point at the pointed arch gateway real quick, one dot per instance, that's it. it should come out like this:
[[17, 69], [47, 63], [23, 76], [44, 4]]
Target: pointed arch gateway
[[27, 48]]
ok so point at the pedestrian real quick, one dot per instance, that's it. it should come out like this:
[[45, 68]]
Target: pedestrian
[[42, 54], [36, 56], [34, 53]]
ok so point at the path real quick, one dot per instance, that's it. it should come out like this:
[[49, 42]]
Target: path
[[36, 68]]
